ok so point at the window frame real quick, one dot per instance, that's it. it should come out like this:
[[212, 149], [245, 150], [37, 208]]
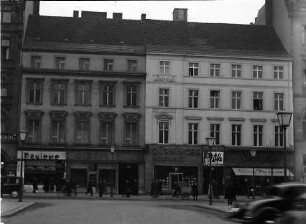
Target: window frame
[[164, 67], [215, 101], [215, 130], [278, 72], [193, 69], [193, 133], [215, 70], [84, 64], [131, 133], [236, 99], [85, 127], [36, 90], [163, 132], [60, 93], [34, 133], [60, 140], [236, 134], [236, 70], [257, 71], [132, 65], [131, 95], [84, 96], [164, 97], [278, 136], [60, 62], [5, 49], [107, 93], [108, 64], [193, 98], [258, 101], [6, 17], [279, 101], [36, 61], [258, 135], [107, 137]]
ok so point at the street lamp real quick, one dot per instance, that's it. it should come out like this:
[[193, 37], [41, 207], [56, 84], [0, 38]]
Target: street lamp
[[284, 119], [253, 155], [22, 137], [112, 178], [210, 142]]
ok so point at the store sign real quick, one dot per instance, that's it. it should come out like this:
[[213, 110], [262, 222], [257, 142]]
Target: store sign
[[173, 154], [41, 155], [217, 158], [260, 172]]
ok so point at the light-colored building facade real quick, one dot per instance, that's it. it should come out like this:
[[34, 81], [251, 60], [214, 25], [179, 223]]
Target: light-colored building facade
[[80, 99], [288, 17], [200, 89]]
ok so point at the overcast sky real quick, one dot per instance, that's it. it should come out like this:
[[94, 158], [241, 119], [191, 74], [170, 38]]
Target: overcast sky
[[211, 11]]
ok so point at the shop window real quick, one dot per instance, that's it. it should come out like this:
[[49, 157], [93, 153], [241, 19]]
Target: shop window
[[131, 95], [236, 100], [107, 94], [258, 100], [193, 69], [193, 98], [236, 135], [214, 70], [33, 119], [193, 133], [131, 127], [215, 132], [59, 92], [34, 91], [84, 64], [108, 64], [83, 93], [278, 101], [257, 72], [132, 65], [257, 133], [236, 71], [214, 99], [60, 62], [164, 68], [164, 97], [279, 136], [82, 127], [35, 61]]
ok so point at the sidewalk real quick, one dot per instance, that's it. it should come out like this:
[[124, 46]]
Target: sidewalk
[[12, 206]]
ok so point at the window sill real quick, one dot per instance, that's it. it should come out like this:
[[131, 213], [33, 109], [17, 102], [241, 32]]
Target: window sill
[[54, 104], [111, 106], [35, 104], [80, 105], [125, 106]]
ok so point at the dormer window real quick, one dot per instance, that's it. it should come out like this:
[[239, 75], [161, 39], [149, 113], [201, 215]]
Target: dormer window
[[60, 62], [35, 62]]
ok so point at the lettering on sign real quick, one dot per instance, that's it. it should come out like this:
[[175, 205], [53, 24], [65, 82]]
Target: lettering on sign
[[217, 158], [36, 155]]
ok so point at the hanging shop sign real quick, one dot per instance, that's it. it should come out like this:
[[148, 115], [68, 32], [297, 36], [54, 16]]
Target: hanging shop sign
[[217, 158], [41, 155]]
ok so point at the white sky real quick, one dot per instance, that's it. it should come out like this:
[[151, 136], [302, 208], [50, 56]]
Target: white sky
[[211, 11]]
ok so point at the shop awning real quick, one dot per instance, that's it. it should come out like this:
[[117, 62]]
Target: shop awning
[[261, 172]]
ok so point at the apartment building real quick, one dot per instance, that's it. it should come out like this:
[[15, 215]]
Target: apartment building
[[288, 18], [224, 81], [83, 100]]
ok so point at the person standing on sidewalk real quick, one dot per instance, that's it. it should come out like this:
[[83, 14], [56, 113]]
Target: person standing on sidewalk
[[101, 188], [89, 189], [194, 191], [35, 187], [230, 194]]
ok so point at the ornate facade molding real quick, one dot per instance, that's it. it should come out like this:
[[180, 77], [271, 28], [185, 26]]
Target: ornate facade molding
[[109, 116], [34, 114], [82, 115]]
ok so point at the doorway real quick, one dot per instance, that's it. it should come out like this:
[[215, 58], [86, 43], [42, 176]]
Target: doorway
[[128, 172], [175, 178]]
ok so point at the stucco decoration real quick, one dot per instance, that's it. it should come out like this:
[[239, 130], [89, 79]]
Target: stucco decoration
[[58, 115], [131, 116], [164, 116], [107, 116], [34, 114], [82, 115]]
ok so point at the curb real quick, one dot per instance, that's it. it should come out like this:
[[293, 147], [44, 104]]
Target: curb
[[17, 209]]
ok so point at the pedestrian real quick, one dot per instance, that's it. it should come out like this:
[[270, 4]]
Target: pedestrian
[[101, 188], [194, 191], [74, 186], [35, 187], [89, 189], [230, 194], [46, 185], [127, 189]]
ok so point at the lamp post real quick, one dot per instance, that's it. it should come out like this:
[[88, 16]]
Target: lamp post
[[284, 119], [210, 142], [253, 155], [22, 137], [112, 178]]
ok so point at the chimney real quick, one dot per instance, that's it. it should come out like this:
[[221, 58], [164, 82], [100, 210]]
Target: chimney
[[143, 17], [36, 8], [75, 14], [180, 15], [269, 12], [93, 15], [117, 16]]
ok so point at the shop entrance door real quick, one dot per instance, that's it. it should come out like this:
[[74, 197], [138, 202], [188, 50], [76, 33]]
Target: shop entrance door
[[175, 178]]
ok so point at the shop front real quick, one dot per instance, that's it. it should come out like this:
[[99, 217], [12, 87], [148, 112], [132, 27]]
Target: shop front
[[173, 164], [116, 170], [47, 167]]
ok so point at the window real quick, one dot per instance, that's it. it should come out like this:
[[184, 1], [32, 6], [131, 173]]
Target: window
[[131, 94], [257, 131], [215, 132], [192, 133], [34, 91], [35, 61], [193, 69], [107, 132], [131, 133], [304, 125], [164, 97], [132, 65], [82, 132], [236, 134], [258, 101], [84, 64], [59, 93], [164, 67], [278, 101], [3, 90], [108, 94], [236, 71], [236, 100], [6, 17], [257, 72], [5, 49], [278, 72], [33, 135], [193, 98], [58, 131], [83, 93], [214, 70], [214, 99], [163, 128], [279, 137], [108, 64], [60, 62]]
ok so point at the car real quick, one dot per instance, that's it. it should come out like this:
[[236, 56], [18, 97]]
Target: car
[[11, 186], [280, 199]]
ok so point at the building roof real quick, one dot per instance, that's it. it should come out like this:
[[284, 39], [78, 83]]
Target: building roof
[[151, 36]]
